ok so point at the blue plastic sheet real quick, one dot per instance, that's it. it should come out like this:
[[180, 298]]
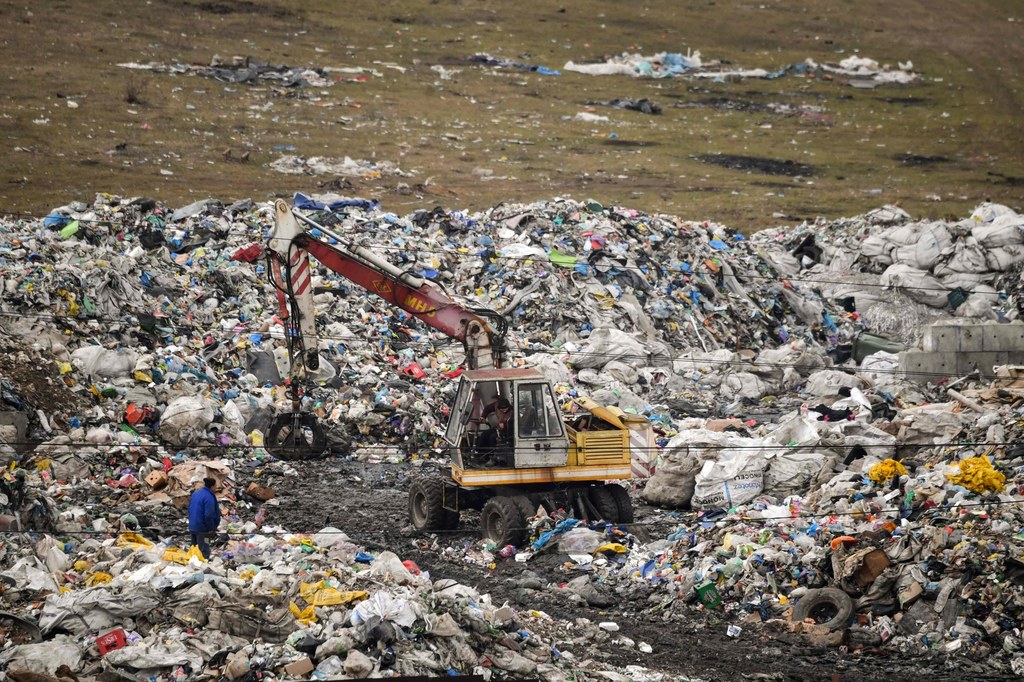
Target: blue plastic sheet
[[562, 527], [304, 202], [55, 221]]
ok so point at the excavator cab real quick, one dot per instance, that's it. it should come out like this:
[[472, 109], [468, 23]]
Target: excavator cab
[[506, 419]]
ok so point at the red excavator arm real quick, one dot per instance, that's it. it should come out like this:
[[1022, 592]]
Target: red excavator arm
[[481, 330]]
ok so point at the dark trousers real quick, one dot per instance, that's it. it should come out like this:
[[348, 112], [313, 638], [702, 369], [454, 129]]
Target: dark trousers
[[199, 540], [496, 447]]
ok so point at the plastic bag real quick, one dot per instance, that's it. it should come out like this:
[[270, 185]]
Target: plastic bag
[[181, 556], [737, 477], [581, 540], [185, 420], [100, 362], [790, 473], [827, 382], [917, 284], [605, 345]]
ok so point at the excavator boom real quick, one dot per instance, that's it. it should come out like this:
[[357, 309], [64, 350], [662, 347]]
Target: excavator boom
[[479, 329]]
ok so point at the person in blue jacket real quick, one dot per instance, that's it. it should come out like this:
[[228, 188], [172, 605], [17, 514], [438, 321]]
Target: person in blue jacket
[[203, 515]]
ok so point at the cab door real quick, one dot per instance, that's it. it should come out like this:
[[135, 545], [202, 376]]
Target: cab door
[[540, 439], [458, 419]]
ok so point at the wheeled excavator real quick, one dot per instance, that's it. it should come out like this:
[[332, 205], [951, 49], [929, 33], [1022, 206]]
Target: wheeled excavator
[[506, 467]]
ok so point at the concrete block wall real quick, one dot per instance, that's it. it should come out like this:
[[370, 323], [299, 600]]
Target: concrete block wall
[[955, 349]]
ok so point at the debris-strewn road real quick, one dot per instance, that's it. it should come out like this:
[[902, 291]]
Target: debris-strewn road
[[369, 503]]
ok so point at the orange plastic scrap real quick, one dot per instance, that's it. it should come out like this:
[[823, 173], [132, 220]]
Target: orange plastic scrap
[[843, 540]]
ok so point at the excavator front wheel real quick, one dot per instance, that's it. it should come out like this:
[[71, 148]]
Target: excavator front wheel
[[296, 436], [426, 506]]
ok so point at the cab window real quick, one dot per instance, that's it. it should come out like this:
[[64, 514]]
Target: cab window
[[537, 415]]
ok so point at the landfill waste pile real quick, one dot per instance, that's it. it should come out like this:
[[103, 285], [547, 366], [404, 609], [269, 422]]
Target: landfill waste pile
[[805, 490], [250, 70], [345, 167], [856, 70]]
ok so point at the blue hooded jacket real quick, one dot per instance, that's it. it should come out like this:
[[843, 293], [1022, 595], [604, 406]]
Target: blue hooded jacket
[[203, 511]]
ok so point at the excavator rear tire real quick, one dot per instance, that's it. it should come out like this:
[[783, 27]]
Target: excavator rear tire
[[426, 509], [605, 503], [526, 506], [529, 510], [622, 501], [502, 522], [285, 441]]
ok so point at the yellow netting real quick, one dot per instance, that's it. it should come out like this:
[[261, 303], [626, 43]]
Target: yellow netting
[[98, 578], [615, 547], [885, 470], [134, 541], [180, 556], [978, 475]]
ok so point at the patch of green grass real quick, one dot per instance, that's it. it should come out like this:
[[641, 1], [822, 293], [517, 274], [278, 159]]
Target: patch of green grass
[[486, 135]]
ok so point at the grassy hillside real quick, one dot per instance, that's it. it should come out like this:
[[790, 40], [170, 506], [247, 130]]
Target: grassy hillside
[[467, 135]]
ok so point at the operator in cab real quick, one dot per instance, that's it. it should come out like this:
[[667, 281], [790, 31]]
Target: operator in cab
[[496, 442]]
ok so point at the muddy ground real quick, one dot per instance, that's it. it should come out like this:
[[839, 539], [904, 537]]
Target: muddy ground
[[368, 502]]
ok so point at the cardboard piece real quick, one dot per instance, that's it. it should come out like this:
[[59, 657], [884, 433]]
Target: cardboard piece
[[720, 425], [819, 635], [874, 563], [260, 492], [157, 479], [910, 595], [237, 665], [300, 668]]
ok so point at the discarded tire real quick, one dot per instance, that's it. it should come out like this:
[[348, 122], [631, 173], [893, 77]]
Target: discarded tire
[[502, 522], [828, 606], [426, 506]]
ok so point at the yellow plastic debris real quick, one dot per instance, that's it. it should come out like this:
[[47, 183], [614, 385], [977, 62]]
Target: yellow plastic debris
[[180, 556], [978, 475], [611, 547], [134, 541], [322, 594], [97, 578], [43, 464], [885, 470], [305, 616], [81, 565]]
